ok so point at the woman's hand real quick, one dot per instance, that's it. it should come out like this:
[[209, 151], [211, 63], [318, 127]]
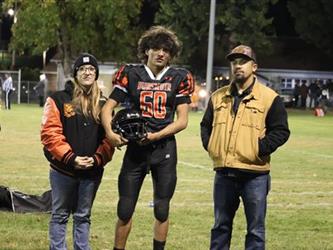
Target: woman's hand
[[83, 162], [116, 140]]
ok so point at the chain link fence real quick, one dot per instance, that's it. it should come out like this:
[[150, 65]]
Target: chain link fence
[[23, 91], [28, 94]]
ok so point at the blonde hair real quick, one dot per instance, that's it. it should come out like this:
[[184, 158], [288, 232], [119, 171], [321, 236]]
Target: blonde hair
[[86, 100]]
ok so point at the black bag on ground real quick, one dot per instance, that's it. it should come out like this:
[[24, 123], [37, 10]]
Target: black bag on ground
[[18, 202], [5, 200]]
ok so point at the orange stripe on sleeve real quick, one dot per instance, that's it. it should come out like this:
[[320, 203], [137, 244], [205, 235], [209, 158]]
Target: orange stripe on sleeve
[[186, 87]]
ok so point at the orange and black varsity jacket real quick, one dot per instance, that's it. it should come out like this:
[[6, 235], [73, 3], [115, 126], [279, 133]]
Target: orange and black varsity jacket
[[66, 134]]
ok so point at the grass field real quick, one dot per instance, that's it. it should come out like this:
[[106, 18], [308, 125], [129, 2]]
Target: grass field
[[300, 207]]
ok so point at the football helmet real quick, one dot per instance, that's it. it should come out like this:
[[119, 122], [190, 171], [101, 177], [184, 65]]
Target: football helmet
[[129, 124]]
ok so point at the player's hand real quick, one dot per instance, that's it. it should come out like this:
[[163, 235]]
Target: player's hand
[[148, 139], [117, 140], [83, 162]]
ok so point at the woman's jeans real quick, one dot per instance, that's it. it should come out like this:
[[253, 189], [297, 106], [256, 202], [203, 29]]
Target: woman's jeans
[[71, 195], [253, 192]]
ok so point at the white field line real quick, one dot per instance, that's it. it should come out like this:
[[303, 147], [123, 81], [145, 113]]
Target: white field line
[[330, 156], [328, 193], [191, 204], [323, 194], [188, 164]]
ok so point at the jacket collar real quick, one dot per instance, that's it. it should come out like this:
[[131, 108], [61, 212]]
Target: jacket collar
[[255, 92]]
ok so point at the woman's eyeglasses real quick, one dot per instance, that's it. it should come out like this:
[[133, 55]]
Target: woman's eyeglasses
[[89, 69]]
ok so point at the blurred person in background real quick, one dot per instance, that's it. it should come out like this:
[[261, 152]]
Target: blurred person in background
[[296, 92], [244, 123], [7, 89], [304, 90], [77, 149], [314, 93], [40, 89]]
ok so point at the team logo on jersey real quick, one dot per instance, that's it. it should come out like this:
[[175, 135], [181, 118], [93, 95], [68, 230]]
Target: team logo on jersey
[[68, 110], [166, 86]]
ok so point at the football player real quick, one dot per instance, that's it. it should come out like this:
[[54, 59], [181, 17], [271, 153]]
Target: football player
[[157, 91]]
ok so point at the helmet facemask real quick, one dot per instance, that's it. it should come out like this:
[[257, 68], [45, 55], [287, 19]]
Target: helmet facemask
[[129, 124]]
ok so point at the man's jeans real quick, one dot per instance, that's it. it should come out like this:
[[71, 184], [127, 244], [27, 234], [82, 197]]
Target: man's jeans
[[253, 192], [71, 195]]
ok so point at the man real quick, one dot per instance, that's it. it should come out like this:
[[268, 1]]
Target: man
[[296, 92], [304, 90], [157, 91], [7, 89], [314, 93], [243, 124], [40, 89]]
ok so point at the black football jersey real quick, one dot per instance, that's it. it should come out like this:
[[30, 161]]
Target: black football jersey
[[155, 97]]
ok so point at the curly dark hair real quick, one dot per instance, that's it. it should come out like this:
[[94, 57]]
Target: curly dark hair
[[158, 37]]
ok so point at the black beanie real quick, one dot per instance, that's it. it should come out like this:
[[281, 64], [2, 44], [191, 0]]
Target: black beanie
[[83, 59]]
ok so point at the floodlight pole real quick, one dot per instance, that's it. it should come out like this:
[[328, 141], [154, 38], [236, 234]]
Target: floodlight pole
[[210, 55], [13, 51], [19, 87]]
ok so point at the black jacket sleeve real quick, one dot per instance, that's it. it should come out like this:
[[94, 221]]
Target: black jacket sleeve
[[206, 124], [277, 131]]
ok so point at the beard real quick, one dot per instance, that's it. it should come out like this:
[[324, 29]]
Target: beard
[[240, 79]]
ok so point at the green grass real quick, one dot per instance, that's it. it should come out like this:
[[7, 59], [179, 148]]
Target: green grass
[[300, 207]]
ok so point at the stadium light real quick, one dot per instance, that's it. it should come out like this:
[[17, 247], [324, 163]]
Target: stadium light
[[202, 93], [11, 12]]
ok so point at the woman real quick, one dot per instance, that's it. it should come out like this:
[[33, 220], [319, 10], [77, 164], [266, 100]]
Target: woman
[[75, 145]]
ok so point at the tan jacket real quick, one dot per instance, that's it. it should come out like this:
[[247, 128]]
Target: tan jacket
[[234, 141]]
